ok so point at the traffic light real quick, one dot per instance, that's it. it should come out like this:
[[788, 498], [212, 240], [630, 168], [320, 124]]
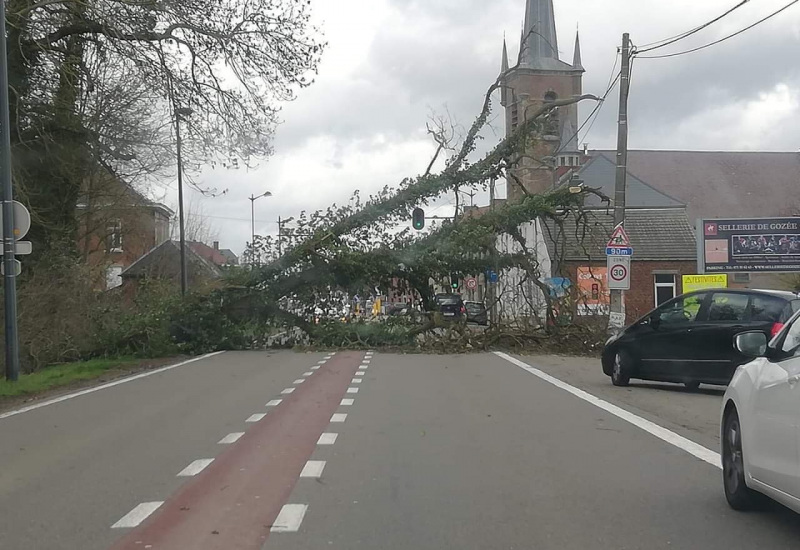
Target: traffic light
[[454, 281], [418, 219]]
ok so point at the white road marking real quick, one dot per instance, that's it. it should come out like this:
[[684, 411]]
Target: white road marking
[[287, 391], [256, 417], [352, 390], [347, 402], [327, 439], [321, 362], [694, 449], [313, 468], [299, 381], [315, 368], [290, 518], [309, 373], [137, 515], [360, 373], [366, 361], [357, 380], [104, 386], [363, 367], [231, 438], [327, 357], [339, 417], [195, 467], [274, 403]]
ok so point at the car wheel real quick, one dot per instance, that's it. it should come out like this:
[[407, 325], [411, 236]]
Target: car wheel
[[738, 494], [621, 370], [692, 386]]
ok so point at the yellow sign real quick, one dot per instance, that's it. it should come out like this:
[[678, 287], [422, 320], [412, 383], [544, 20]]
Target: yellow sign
[[703, 282]]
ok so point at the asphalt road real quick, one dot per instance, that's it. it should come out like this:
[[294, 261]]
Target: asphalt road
[[435, 452]]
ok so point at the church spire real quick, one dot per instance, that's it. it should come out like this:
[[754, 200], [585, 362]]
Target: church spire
[[503, 71], [577, 62], [504, 65], [541, 40]]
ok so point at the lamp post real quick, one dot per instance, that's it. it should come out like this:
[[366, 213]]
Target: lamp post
[[181, 112], [253, 200]]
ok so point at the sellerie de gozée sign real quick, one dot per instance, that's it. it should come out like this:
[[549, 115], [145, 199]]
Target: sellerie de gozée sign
[[767, 244]]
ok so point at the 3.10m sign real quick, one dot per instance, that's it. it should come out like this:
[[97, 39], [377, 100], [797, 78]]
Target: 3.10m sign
[[751, 245]]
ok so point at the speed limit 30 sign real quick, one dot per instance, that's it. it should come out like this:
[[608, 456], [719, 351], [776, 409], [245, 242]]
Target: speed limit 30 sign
[[619, 272]]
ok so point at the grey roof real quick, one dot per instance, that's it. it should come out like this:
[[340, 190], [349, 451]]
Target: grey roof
[[601, 173], [722, 184], [164, 261], [658, 234], [540, 32], [577, 61], [230, 255]]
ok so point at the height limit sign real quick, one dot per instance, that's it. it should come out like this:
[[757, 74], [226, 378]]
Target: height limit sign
[[619, 272]]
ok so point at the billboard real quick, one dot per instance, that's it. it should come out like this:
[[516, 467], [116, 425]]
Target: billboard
[[750, 245], [594, 297], [704, 282]]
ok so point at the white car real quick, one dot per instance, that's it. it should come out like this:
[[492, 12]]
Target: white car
[[761, 421]]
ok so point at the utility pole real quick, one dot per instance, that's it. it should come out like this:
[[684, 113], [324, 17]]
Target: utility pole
[[9, 279], [280, 237], [179, 112], [617, 296], [491, 289]]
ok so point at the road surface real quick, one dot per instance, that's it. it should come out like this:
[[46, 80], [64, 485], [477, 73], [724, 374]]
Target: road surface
[[293, 451]]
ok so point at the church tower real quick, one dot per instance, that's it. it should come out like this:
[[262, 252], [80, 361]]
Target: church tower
[[539, 77]]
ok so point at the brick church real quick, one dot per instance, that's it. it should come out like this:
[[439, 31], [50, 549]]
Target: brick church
[[667, 191]]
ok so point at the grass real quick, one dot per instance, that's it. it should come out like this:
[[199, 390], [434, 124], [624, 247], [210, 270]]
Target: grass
[[62, 375]]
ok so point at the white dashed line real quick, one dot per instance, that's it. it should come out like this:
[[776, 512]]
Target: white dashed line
[[274, 403], [352, 390], [256, 417], [360, 373], [315, 368], [299, 381], [287, 391], [230, 438], [367, 361], [363, 367], [347, 402], [137, 515], [339, 417], [357, 380], [327, 439], [652, 428], [195, 467], [290, 518], [321, 362], [313, 468], [327, 357], [309, 373]]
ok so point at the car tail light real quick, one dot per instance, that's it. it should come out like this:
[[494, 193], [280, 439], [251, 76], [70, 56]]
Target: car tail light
[[463, 309], [776, 328]]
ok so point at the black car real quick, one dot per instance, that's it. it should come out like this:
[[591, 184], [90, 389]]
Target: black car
[[476, 313], [451, 306], [689, 339]]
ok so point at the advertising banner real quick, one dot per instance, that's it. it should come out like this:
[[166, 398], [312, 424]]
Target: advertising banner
[[750, 245], [692, 283]]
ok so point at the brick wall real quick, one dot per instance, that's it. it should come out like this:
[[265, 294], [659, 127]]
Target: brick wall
[[641, 298]]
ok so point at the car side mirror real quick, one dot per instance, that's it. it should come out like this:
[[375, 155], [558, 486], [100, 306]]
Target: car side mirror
[[751, 344]]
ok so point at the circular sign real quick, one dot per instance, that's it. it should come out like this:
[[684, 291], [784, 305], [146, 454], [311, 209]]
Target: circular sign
[[619, 273], [472, 283]]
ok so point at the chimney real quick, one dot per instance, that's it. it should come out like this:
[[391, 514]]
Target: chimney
[[216, 245]]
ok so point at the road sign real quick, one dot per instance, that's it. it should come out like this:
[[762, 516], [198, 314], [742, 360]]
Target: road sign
[[614, 251], [22, 220], [17, 268], [492, 276], [619, 238], [619, 272], [22, 248], [472, 283]]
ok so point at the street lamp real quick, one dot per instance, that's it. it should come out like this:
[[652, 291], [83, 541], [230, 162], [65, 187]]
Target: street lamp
[[181, 112], [253, 200]]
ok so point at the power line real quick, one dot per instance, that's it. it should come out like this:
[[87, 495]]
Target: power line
[[668, 41], [770, 16]]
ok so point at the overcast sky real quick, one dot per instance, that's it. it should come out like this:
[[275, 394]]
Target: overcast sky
[[390, 63]]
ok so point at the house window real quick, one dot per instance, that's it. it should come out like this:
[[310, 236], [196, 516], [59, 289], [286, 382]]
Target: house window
[[514, 116], [114, 236], [113, 276], [666, 289], [572, 161]]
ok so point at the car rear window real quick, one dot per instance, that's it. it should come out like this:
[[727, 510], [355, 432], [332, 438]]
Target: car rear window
[[473, 307], [768, 309], [728, 307], [449, 300]]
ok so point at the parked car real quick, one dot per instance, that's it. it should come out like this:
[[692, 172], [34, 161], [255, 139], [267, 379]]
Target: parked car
[[689, 339], [451, 306], [476, 313], [760, 416]]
